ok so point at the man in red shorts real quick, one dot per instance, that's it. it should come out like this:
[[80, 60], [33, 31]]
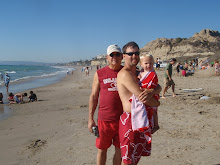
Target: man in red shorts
[[104, 91], [134, 144]]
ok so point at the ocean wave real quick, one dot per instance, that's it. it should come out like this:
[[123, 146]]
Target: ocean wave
[[66, 68], [17, 76], [3, 71], [10, 72], [40, 76]]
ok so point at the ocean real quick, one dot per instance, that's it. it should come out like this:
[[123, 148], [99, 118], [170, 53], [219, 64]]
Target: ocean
[[24, 77]]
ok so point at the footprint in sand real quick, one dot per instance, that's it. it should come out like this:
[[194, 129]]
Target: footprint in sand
[[36, 145]]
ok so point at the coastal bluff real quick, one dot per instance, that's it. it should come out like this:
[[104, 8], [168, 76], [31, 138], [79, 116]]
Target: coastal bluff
[[204, 43]]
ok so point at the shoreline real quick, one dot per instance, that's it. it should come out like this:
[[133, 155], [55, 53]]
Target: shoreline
[[33, 82], [25, 85], [22, 87], [54, 129]]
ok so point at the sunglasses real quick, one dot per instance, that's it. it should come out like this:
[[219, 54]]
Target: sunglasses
[[131, 53], [115, 54]]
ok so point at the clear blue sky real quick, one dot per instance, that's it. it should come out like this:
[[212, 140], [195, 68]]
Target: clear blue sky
[[70, 30]]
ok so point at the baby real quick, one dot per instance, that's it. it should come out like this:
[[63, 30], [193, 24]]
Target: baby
[[148, 79]]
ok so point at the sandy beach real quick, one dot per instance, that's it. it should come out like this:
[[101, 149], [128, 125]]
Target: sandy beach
[[53, 130]]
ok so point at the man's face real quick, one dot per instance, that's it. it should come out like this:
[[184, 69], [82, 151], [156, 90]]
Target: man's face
[[131, 56], [173, 62], [114, 58]]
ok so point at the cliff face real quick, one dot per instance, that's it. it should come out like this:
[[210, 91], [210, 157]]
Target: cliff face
[[205, 42]]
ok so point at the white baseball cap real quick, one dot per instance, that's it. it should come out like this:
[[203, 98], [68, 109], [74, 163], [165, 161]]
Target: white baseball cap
[[113, 48]]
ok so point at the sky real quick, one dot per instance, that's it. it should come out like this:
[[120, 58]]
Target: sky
[[60, 31]]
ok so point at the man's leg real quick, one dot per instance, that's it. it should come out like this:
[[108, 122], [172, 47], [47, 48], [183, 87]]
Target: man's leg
[[117, 156], [156, 125], [173, 87], [164, 90], [101, 157], [7, 88]]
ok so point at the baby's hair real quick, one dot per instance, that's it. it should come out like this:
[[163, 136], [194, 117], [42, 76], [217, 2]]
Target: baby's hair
[[147, 55]]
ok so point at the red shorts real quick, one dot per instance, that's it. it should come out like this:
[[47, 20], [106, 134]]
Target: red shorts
[[108, 134], [133, 144]]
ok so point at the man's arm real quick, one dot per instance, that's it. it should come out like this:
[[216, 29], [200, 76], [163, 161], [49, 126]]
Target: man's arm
[[152, 102], [131, 84], [168, 74], [146, 94], [126, 79], [93, 101], [21, 98]]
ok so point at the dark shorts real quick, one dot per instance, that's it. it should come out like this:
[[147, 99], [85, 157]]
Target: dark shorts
[[168, 83], [6, 84]]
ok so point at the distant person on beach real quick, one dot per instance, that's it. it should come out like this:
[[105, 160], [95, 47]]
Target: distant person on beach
[[181, 66], [148, 79], [1, 76], [134, 143], [186, 66], [178, 69], [168, 81], [1, 98], [217, 66], [87, 71], [189, 67], [33, 96], [184, 72], [158, 63], [18, 98], [7, 81], [105, 92], [200, 64], [11, 97], [194, 65], [197, 61]]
